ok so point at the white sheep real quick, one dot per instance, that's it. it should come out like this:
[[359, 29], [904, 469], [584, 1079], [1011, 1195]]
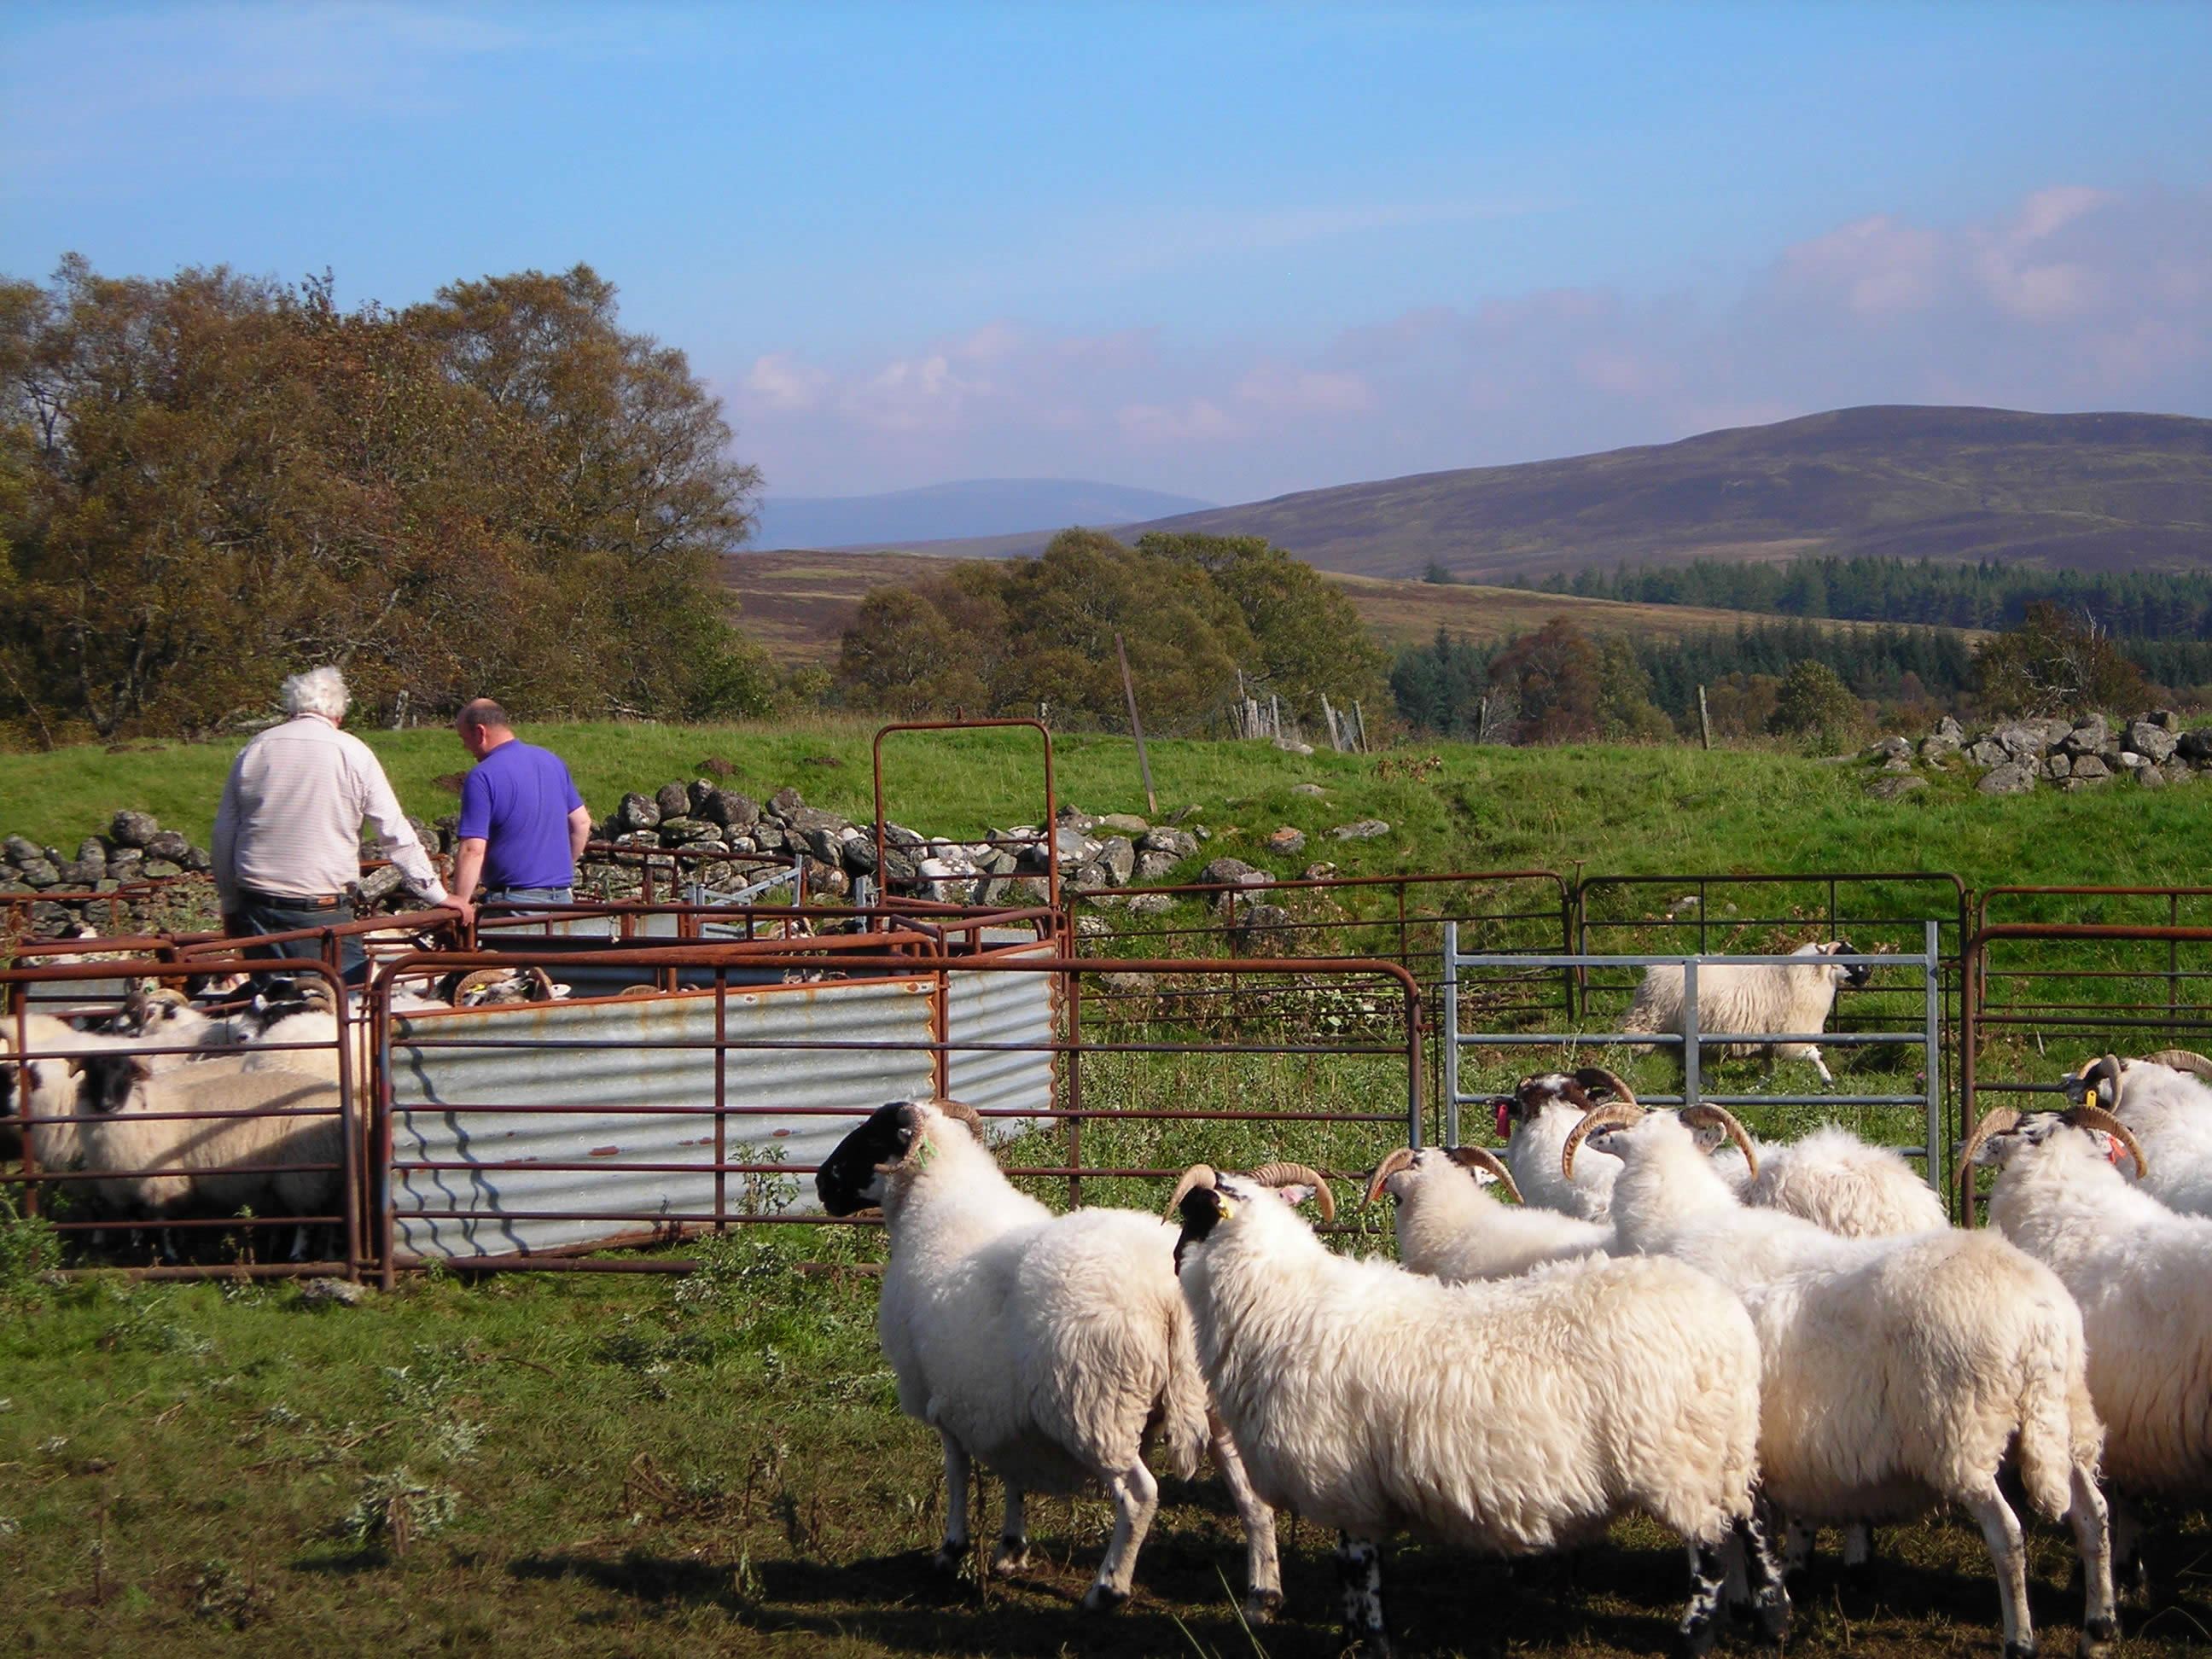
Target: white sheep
[[202, 1138], [1838, 1181], [1750, 997], [1041, 1346], [2142, 1275], [1895, 1368], [40, 1095], [2166, 1100], [1511, 1416], [1536, 1120], [1449, 1227]]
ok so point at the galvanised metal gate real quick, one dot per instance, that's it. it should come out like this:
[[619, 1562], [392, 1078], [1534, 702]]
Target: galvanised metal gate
[[1924, 969]]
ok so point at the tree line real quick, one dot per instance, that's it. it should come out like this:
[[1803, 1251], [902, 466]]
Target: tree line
[[2130, 605], [1784, 678], [1204, 621], [208, 481]]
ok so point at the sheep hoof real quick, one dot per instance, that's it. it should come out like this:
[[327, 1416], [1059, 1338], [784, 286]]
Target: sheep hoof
[[2097, 1638], [1011, 1557], [1261, 1606], [949, 1554], [1103, 1598], [2024, 1649]]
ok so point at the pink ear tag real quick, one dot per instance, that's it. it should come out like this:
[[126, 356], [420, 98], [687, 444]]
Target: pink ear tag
[[2112, 1150], [1505, 1120]]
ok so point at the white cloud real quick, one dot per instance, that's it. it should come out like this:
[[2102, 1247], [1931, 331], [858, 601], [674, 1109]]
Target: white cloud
[[2071, 299]]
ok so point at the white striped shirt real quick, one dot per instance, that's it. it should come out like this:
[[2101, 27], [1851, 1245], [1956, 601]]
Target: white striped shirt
[[290, 824]]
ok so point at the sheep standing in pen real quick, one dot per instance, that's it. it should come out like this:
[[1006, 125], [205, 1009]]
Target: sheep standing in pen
[[2166, 1100], [1451, 1228], [1043, 1345], [1750, 997], [1896, 1369], [1510, 1416], [2142, 1276], [209, 1138], [1534, 1121]]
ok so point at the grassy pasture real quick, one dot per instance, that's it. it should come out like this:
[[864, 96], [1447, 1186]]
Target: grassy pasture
[[628, 1464]]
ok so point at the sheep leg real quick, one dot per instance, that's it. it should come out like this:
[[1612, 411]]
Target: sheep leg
[[1263, 1577], [1819, 1065], [1798, 1538], [1770, 1597], [2008, 1554], [1359, 1576], [1709, 1575], [2129, 1570], [1858, 1555], [1136, 1498], [955, 1546], [1012, 1550], [2091, 1524]]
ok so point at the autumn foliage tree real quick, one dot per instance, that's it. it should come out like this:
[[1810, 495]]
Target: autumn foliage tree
[[2057, 661], [210, 481], [1193, 614]]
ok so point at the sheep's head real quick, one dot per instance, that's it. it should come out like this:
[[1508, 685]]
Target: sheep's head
[[1578, 1091], [1405, 1169], [1205, 1198], [1853, 977], [1622, 1127], [108, 1081], [852, 1178], [2005, 1134]]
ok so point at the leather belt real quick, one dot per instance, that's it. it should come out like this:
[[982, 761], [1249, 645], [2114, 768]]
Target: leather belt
[[294, 900]]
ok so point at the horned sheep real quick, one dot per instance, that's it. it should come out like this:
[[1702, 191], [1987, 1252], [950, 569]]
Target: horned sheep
[[2142, 1275], [1040, 1344], [1895, 1368], [2166, 1100], [1451, 1228], [1514, 1416]]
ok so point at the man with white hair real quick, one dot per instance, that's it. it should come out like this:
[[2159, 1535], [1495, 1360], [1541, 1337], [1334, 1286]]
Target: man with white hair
[[287, 839]]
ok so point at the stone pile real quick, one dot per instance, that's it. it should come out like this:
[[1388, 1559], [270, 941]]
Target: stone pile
[[2015, 756], [134, 849]]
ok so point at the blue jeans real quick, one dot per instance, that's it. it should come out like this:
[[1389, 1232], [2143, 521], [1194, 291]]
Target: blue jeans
[[265, 915]]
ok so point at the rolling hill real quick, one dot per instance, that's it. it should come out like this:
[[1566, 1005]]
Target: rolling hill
[[2096, 492], [977, 506], [796, 604]]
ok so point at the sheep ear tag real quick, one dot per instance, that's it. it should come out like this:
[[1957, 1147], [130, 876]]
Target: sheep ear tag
[[1504, 1118]]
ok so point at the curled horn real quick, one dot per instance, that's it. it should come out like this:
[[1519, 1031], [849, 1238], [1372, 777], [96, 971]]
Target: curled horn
[[1596, 1077], [1618, 1116], [1286, 1175], [2095, 1117], [1995, 1122], [1481, 1158], [2182, 1059], [1400, 1157], [543, 982], [1198, 1174], [965, 1113], [476, 980], [2103, 1078], [1700, 1115]]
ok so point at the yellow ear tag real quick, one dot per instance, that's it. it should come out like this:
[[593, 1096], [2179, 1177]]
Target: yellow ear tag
[[1222, 1204]]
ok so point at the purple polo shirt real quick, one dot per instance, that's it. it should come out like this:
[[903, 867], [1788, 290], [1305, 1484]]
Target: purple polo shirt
[[517, 798]]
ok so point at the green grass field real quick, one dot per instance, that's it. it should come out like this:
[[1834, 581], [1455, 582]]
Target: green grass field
[[1617, 810], [583, 1464]]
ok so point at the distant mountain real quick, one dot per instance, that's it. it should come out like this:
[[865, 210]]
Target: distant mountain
[[979, 507], [2095, 492]]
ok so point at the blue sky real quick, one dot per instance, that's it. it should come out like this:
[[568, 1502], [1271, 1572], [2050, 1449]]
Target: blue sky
[[1224, 251]]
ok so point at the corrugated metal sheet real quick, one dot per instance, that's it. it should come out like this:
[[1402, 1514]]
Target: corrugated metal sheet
[[1001, 1008], [433, 1086]]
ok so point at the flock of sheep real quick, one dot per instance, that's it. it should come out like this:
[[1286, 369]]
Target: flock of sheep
[[170, 1108], [1742, 1341]]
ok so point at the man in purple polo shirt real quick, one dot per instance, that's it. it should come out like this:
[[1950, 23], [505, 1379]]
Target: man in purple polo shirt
[[523, 825]]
